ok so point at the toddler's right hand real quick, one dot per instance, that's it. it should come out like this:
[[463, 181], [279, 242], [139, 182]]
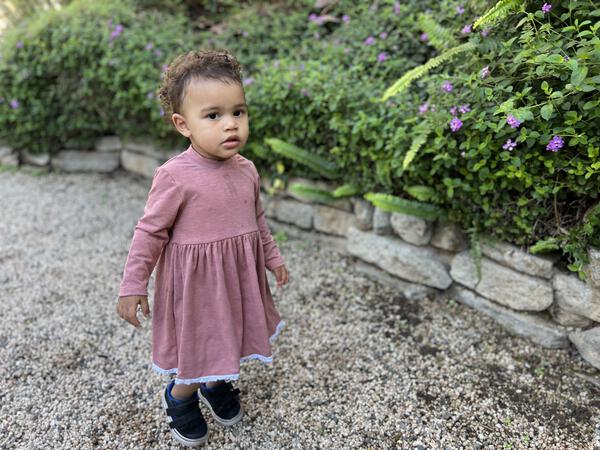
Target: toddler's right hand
[[127, 308]]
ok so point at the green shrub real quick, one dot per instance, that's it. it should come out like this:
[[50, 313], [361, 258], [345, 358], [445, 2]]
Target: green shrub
[[88, 70]]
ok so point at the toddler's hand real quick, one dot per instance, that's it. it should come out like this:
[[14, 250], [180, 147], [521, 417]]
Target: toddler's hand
[[281, 273], [127, 308]]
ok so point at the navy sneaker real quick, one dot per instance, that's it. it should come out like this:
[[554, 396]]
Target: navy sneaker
[[188, 426], [223, 402]]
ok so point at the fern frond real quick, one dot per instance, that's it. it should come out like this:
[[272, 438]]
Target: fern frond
[[311, 193], [544, 245], [440, 37], [498, 12], [315, 162], [475, 250], [422, 70], [415, 146], [421, 193], [392, 203], [346, 190]]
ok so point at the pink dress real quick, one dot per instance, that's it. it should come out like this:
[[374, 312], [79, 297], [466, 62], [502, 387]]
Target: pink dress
[[212, 304]]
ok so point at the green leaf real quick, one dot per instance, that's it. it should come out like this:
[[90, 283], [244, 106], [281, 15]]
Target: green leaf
[[346, 190], [578, 75], [392, 203], [315, 162], [421, 193], [311, 193], [547, 111]]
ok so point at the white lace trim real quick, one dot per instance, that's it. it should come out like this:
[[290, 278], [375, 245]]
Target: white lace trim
[[229, 377]]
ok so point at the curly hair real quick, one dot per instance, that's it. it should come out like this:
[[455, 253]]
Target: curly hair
[[216, 64]]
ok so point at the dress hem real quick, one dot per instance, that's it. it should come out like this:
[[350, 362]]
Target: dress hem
[[224, 377]]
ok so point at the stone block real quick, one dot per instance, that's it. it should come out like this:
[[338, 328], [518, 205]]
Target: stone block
[[85, 161], [411, 229], [333, 221], [363, 210], [139, 163], [449, 236], [501, 284], [528, 325], [297, 213], [108, 144], [409, 262], [39, 159], [588, 345], [576, 296], [512, 256], [382, 222]]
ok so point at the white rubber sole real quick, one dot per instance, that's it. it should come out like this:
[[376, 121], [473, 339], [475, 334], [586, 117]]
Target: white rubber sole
[[177, 436], [224, 422]]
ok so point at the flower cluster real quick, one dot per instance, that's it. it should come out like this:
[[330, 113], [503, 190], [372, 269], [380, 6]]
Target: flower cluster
[[447, 86], [509, 145], [555, 144], [485, 72], [546, 7], [455, 124], [513, 121]]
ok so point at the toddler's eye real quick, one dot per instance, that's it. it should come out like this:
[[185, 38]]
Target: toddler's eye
[[240, 111], [212, 114]]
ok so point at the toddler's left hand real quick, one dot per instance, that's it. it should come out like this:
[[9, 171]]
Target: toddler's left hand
[[281, 273]]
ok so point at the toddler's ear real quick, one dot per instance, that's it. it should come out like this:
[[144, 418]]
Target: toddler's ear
[[181, 125]]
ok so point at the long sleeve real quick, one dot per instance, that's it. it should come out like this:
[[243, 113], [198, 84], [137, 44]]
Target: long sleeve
[[273, 257], [151, 233]]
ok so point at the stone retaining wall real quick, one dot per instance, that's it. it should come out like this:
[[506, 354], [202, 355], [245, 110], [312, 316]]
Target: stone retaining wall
[[525, 293]]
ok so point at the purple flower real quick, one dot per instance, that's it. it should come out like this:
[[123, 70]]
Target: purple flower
[[149, 46], [485, 72], [383, 35], [485, 33], [382, 57], [455, 124], [546, 8], [509, 145], [164, 68], [460, 9], [14, 103], [150, 95], [304, 92], [513, 121], [116, 32], [312, 17], [346, 18], [369, 41], [162, 112], [424, 37], [248, 81], [467, 29], [464, 109], [555, 144], [447, 86], [423, 108], [453, 111], [19, 44], [157, 53], [566, 58], [346, 49], [245, 34], [396, 8]]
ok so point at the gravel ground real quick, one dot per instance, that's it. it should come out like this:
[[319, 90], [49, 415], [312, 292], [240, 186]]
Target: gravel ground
[[357, 366]]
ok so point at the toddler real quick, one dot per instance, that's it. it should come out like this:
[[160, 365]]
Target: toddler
[[204, 224]]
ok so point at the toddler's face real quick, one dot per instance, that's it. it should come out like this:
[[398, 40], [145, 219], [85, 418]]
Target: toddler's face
[[213, 111]]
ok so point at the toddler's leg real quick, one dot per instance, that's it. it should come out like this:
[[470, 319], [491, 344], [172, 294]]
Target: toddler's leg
[[184, 391]]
